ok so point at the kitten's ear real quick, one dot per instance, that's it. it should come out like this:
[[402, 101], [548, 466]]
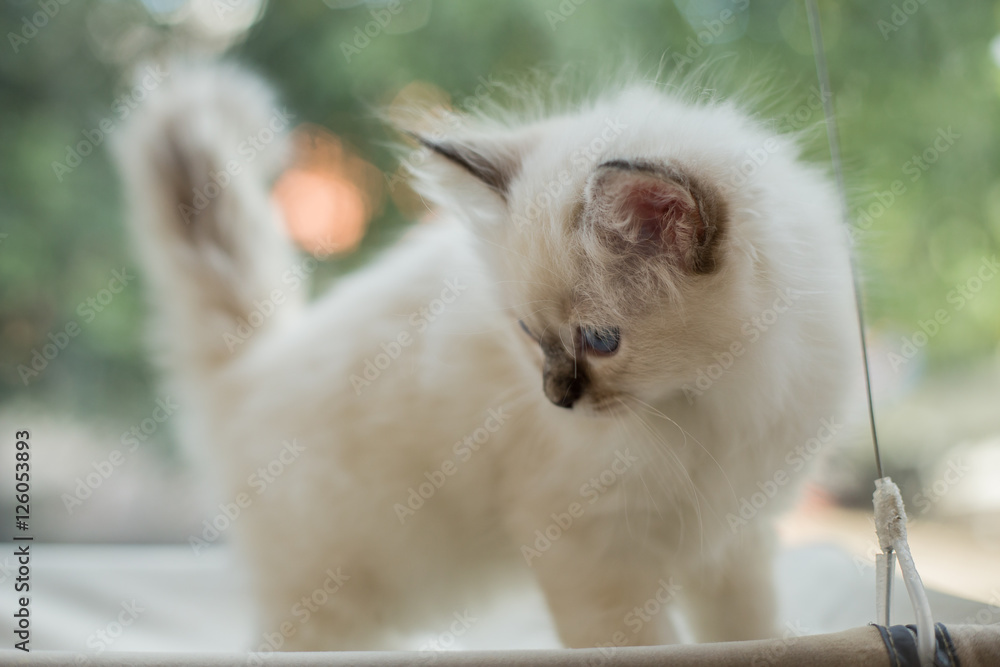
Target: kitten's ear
[[466, 164], [659, 209], [492, 161]]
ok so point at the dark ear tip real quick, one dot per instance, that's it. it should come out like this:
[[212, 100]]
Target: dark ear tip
[[419, 139], [490, 170], [424, 142]]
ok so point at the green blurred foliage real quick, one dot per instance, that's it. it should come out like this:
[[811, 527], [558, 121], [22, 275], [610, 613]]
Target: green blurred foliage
[[896, 88]]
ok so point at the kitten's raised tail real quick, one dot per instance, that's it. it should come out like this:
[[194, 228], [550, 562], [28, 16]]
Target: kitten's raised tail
[[197, 157]]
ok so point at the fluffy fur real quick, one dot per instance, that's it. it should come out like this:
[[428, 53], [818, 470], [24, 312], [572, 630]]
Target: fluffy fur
[[688, 226]]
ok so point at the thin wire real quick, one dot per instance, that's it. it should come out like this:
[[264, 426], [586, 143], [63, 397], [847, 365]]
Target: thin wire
[[831, 134], [888, 560]]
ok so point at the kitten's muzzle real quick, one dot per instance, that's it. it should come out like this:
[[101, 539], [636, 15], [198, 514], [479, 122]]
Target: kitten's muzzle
[[563, 378]]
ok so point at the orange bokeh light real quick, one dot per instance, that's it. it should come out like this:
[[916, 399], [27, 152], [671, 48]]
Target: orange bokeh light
[[329, 195]]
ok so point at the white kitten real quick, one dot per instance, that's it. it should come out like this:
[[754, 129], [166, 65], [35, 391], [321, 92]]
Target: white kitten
[[682, 286]]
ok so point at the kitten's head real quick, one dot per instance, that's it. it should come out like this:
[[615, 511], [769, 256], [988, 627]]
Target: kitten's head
[[617, 234]]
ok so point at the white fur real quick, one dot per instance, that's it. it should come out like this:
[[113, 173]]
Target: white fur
[[667, 515]]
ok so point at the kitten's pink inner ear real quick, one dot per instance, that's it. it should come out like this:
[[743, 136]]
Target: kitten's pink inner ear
[[658, 210], [655, 211]]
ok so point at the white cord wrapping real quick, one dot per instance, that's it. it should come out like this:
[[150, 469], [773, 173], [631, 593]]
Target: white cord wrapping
[[890, 525]]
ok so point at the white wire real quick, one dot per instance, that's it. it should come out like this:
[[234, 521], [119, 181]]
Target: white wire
[[926, 642], [890, 525]]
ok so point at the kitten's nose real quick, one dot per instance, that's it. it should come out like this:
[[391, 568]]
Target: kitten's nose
[[564, 390], [563, 377]]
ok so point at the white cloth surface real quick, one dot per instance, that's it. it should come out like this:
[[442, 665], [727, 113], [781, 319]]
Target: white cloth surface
[[183, 602]]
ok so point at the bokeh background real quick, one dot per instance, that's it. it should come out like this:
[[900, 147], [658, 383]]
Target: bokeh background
[[917, 87]]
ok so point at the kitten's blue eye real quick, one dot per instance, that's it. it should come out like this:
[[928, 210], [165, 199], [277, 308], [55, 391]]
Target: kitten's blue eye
[[601, 340]]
